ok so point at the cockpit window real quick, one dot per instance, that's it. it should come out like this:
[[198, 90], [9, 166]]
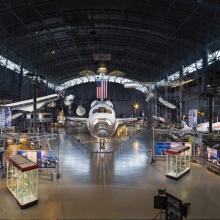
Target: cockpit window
[[94, 111], [102, 110]]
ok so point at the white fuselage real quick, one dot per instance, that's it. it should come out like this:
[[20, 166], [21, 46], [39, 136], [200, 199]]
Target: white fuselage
[[102, 121], [27, 105], [203, 127]]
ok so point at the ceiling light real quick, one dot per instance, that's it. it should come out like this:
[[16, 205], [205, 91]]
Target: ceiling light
[[136, 106], [102, 70]]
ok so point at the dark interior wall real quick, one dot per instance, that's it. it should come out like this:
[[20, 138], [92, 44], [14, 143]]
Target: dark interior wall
[[193, 98], [121, 98], [200, 102], [15, 87]]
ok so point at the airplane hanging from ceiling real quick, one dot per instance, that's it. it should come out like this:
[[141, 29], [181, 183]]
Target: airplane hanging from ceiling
[[19, 108]]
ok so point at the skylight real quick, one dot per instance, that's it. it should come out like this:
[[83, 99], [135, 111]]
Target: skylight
[[212, 57], [120, 80], [17, 68]]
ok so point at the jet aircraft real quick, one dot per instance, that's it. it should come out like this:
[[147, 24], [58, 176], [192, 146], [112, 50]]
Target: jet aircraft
[[18, 108]]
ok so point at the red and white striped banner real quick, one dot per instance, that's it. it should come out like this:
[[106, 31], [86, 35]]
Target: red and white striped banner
[[101, 89]]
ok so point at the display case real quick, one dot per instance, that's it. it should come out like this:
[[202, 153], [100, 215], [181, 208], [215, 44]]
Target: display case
[[22, 180], [177, 161]]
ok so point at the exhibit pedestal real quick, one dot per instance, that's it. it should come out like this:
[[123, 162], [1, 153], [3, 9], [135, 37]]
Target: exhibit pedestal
[[177, 162], [22, 180]]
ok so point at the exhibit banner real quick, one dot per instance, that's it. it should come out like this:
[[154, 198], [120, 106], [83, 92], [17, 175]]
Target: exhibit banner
[[193, 117], [162, 147], [213, 156], [2, 118], [5, 118], [43, 158]]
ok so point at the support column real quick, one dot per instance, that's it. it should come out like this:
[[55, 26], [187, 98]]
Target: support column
[[47, 87], [166, 98], [20, 82], [155, 102], [181, 95], [205, 70], [35, 106], [210, 112], [207, 88], [210, 92]]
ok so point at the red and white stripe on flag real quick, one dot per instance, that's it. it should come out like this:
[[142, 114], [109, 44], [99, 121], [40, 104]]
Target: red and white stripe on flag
[[105, 89], [101, 89]]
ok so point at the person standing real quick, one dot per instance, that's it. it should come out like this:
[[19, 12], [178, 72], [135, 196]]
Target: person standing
[[1, 157]]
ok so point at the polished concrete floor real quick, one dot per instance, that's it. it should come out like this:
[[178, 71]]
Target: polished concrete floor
[[118, 185]]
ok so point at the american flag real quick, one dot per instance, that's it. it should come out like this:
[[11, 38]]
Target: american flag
[[101, 88]]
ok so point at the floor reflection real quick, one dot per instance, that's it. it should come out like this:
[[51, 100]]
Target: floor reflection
[[124, 166]]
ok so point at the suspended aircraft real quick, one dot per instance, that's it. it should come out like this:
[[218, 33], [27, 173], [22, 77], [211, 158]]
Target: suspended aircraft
[[18, 108], [102, 122], [166, 103]]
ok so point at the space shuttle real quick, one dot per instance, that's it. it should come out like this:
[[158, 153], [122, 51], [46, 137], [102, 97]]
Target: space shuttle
[[102, 122], [18, 108]]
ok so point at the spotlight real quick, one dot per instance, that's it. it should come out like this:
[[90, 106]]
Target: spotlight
[[136, 106]]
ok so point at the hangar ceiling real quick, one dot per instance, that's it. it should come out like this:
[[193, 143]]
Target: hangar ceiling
[[145, 39]]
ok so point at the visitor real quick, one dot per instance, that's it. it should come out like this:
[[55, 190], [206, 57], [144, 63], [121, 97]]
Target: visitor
[[1, 157]]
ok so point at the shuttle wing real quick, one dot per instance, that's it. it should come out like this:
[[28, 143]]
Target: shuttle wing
[[125, 120]]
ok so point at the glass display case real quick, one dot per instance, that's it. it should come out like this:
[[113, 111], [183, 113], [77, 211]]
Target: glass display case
[[22, 180], [177, 161]]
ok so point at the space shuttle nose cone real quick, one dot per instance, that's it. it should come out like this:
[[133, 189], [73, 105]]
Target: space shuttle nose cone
[[102, 133]]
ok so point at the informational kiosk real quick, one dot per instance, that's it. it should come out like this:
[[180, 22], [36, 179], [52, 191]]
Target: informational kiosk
[[177, 161], [22, 180]]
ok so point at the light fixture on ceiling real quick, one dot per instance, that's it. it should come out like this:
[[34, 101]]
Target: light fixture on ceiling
[[117, 73], [86, 72], [102, 70]]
